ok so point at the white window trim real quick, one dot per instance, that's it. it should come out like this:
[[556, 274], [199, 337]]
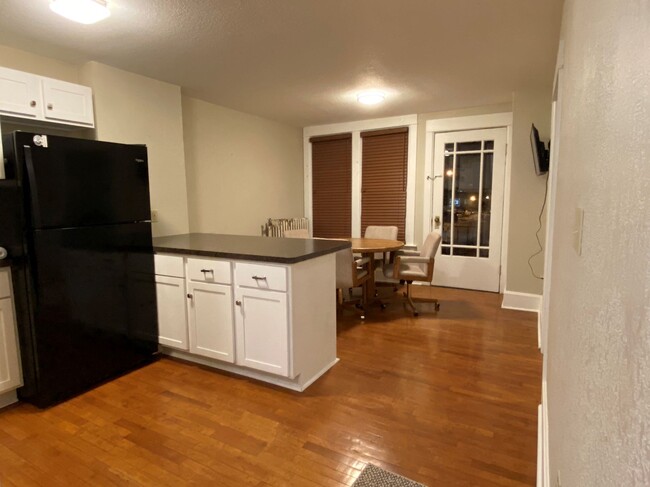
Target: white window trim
[[355, 128], [493, 120]]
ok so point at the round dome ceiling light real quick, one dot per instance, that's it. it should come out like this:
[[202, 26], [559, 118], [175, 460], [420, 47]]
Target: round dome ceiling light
[[371, 97], [82, 11]]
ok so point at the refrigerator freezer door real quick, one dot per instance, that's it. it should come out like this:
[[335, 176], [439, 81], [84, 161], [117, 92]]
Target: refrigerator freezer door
[[94, 306], [76, 182]]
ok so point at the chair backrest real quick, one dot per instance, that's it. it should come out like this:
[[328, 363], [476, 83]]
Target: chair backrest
[[344, 268], [296, 233], [381, 232], [430, 245]]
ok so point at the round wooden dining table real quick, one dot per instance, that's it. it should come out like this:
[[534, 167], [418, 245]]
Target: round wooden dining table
[[372, 246]]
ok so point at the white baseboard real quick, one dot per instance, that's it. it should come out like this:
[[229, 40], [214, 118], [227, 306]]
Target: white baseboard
[[8, 398], [293, 384], [522, 301]]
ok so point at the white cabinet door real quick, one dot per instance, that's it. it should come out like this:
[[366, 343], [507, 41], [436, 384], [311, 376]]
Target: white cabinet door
[[67, 102], [262, 330], [172, 312], [211, 323], [20, 94], [10, 376]]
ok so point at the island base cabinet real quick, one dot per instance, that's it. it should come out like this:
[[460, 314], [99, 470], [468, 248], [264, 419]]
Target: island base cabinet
[[172, 317], [10, 376], [211, 320], [262, 323]]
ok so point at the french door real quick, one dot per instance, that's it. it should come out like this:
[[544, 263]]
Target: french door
[[469, 173]]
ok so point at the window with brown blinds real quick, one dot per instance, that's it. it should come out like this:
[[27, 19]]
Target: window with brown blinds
[[332, 185], [383, 181]]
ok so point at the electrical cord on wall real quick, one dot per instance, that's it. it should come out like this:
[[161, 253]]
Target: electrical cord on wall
[[539, 243]]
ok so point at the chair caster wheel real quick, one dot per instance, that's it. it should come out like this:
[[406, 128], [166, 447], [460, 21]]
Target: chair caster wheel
[[416, 314], [383, 306]]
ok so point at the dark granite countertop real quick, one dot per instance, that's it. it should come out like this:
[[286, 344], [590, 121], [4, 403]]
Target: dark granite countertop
[[263, 249]]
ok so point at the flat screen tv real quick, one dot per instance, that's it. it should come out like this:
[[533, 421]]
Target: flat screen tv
[[540, 152]]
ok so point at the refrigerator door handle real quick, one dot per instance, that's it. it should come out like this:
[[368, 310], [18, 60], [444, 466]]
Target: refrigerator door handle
[[36, 208]]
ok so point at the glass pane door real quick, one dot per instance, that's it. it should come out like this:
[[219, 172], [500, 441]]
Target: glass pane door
[[466, 200]]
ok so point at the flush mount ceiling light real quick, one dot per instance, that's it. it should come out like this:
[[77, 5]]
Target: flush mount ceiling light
[[82, 11], [371, 97]]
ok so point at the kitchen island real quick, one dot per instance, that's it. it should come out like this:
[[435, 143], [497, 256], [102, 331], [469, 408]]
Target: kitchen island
[[260, 307]]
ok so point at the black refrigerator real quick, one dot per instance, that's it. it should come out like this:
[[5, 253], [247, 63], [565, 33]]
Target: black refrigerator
[[76, 224]]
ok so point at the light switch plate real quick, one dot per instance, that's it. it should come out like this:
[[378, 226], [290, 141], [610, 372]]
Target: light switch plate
[[577, 230]]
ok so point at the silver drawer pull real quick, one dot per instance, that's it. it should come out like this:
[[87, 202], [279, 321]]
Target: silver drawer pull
[[259, 278], [205, 271]]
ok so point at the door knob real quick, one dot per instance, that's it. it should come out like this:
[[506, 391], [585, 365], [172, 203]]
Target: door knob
[[436, 222]]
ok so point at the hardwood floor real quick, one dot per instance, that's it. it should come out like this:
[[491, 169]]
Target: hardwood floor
[[447, 399]]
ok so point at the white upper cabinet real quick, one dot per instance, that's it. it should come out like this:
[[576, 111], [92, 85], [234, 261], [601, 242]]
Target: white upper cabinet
[[67, 102], [28, 96], [20, 94]]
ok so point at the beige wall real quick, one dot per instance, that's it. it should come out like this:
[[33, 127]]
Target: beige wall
[[40, 65], [526, 191], [134, 109], [598, 357], [241, 169]]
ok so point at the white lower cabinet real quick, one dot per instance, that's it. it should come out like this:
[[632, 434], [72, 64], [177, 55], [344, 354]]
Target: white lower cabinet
[[262, 324], [172, 315], [10, 373], [211, 320], [268, 321]]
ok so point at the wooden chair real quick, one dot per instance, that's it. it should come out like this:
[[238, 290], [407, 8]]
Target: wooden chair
[[415, 266], [351, 274]]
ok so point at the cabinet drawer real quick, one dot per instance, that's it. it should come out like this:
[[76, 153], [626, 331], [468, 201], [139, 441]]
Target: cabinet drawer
[[5, 287], [169, 265], [260, 276], [209, 270]]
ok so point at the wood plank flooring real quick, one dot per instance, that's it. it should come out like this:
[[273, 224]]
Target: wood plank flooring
[[447, 399]]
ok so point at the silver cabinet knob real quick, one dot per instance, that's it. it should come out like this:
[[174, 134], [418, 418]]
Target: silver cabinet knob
[[238, 303], [50, 106], [189, 296], [3, 253], [32, 103]]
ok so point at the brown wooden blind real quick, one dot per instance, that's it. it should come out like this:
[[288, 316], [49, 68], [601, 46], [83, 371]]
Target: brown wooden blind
[[383, 181], [332, 185]]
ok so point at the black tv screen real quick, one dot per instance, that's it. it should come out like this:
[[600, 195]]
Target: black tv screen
[[540, 153]]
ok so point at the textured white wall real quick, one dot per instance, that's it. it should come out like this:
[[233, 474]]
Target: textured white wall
[[599, 335]]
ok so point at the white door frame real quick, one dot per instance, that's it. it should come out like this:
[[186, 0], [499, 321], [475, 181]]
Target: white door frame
[[355, 128], [493, 120], [552, 192]]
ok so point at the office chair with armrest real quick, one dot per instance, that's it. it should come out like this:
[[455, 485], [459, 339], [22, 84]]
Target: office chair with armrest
[[409, 268], [351, 274], [383, 233]]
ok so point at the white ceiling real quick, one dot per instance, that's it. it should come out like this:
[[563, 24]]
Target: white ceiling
[[303, 61]]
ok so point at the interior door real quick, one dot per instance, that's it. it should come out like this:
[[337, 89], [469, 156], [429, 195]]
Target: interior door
[[469, 173]]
